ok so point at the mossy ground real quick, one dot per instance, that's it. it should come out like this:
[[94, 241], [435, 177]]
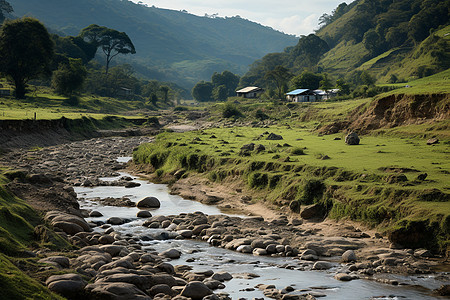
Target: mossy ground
[[17, 223], [374, 182]]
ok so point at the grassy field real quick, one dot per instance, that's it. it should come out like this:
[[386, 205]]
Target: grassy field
[[48, 106], [374, 182]]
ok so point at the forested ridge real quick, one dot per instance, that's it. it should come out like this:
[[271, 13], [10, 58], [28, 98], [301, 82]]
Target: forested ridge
[[170, 45]]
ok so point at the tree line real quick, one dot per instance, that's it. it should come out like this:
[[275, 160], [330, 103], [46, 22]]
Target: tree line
[[29, 52]]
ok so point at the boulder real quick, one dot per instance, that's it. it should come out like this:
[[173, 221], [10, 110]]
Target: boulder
[[343, 277], [352, 139], [69, 228], [95, 214], [196, 290], [222, 276], [322, 265], [274, 137], [171, 253], [149, 202], [61, 261], [115, 221], [70, 286], [314, 211], [348, 256], [115, 290], [143, 214]]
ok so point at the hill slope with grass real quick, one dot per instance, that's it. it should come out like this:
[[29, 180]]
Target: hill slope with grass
[[392, 41], [171, 45]]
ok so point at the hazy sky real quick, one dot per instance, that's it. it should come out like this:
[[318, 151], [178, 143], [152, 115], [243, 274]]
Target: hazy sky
[[298, 17]]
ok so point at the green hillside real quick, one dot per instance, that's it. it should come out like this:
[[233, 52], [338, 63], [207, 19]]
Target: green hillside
[[391, 40], [170, 45]]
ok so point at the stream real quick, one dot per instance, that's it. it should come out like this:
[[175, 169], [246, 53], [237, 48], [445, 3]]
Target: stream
[[247, 270]]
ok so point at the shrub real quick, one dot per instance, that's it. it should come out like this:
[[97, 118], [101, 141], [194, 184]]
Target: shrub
[[231, 110], [297, 151]]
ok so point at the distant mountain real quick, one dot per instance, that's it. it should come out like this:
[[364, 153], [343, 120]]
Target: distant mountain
[[392, 40], [171, 45]]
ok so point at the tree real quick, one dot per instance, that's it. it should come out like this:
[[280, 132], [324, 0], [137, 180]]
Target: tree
[[325, 83], [306, 80], [111, 41], [165, 90], [366, 78], [5, 7], [69, 77], [202, 91], [280, 76], [220, 93], [26, 51], [344, 88], [229, 80]]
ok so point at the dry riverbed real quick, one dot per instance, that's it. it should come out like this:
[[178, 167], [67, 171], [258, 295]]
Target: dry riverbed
[[116, 264]]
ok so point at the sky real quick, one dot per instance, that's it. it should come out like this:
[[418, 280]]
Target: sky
[[297, 17]]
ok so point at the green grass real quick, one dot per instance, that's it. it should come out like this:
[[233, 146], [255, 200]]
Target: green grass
[[17, 285], [48, 106], [356, 173]]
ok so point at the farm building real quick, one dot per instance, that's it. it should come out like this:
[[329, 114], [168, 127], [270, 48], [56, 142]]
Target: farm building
[[302, 95], [250, 92]]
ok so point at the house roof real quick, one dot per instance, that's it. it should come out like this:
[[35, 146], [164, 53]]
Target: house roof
[[297, 92], [249, 89]]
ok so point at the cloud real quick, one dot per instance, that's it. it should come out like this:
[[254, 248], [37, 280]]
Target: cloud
[[299, 17]]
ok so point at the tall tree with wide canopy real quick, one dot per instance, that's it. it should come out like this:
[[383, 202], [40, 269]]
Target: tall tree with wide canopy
[[111, 41], [5, 7], [280, 76], [26, 52]]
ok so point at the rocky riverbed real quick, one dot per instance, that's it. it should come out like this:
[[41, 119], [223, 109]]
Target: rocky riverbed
[[110, 265]]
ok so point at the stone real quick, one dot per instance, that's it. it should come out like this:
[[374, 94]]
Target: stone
[[171, 253], [422, 253], [249, 147], [274, 137], [115, 221], [61, 261], [259, 251], [95, 214], [343, 277], [348, 256], [149, 202], [352, 139], [443, 290], [196, 290], [143, 214], [213, 284], [115, 290], [433, 141], [161, 289], [244, 249], [187, 234], [69, 228], [69, 285], [314, 211], [222, 276], [106, 239], [322, 265]]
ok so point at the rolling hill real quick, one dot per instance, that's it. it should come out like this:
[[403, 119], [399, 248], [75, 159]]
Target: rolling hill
[[171, 45]]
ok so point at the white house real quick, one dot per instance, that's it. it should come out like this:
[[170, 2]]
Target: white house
[[250, 92]]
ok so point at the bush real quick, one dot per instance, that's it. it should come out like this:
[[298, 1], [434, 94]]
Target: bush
[[231, 110], [312, 190], [258, 180], [297, 151]]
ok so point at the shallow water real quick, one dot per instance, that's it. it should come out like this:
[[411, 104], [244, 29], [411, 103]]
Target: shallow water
[[279, 271]]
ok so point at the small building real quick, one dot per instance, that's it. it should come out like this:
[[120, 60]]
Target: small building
[[250, 92], [302, 95], [326, 95]]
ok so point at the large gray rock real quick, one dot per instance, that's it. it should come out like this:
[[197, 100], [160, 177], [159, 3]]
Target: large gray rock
[[352, 139], [60, 261], [314, 211], [196, 290], [69, 228], [222, 276], [348, 256], [171, 253], [274, 137], [115, 290], [149, 202], [69, 285], [322, 265]]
